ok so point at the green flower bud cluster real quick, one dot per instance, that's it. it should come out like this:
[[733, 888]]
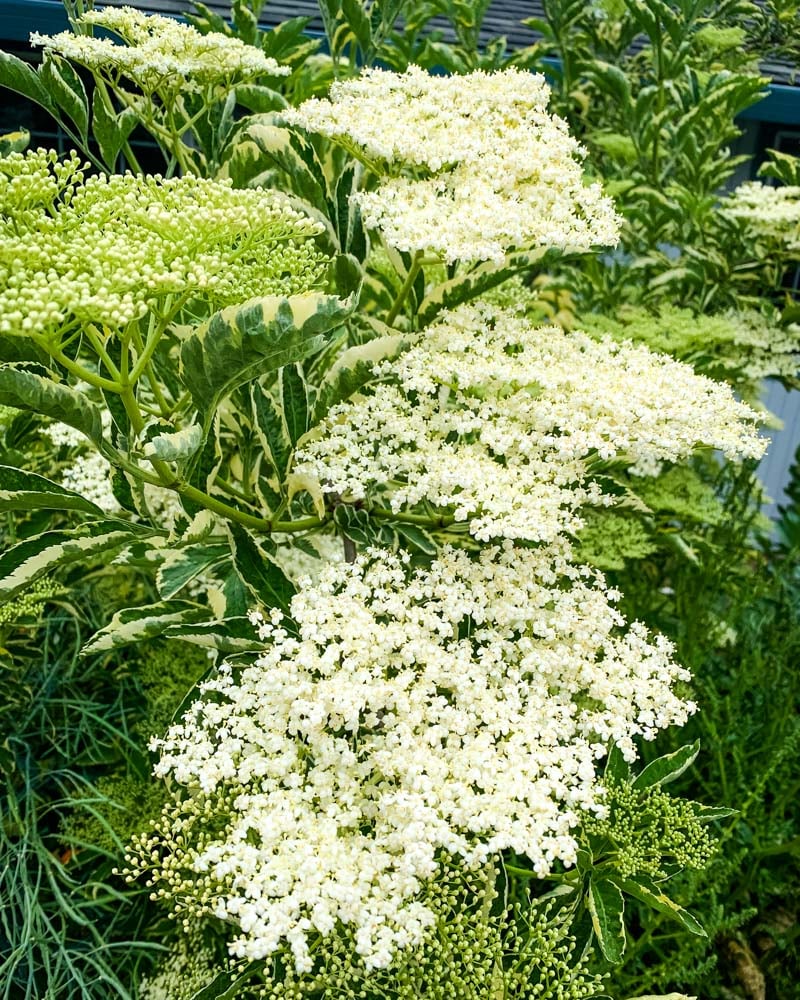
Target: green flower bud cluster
[[27, 607], [118, 804], [741, 347], [166, 854], [609, 538], [188, 967], [648, 832], [108, 249], [472, 951], [682, 492], [34, 182]]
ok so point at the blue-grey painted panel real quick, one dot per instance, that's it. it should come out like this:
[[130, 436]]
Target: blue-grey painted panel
[[774, 467]]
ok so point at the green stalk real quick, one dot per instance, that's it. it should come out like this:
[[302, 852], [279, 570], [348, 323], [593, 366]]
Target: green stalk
[[413, 271], [75, 369], [96, 340], [442, 521]]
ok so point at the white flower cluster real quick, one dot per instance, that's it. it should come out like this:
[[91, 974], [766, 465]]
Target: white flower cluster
[[501, 424], [114, 246], [90, 476], [769, 212], [301, 564], [403, 712], [159, 52], [483, 167]]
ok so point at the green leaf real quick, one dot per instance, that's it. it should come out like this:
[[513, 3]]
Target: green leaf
[[479, 280], [225, 985], [240, 343], [358, 22], [356, 524], [295, 402], [270, 429], [667, 768], [617, 768], [22, 386], [352, 371], [14, 142], [110, 130], [711, 814], [181, 566], [28, 560], [20, 490], [137, 624], [606, 908], [67, 90], [18, 76], [614, 80], [648, 893], [290, 153], [259, 99], [203, 467], [176, 446], [228, 635], [416, 538], [235, 597], [349, 226], [14, 348], [264, 579]]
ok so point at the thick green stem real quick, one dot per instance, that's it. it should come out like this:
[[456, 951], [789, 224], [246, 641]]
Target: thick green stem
[[96, 340], [227, 487], [440, 521], [75, 369], [413, 271]]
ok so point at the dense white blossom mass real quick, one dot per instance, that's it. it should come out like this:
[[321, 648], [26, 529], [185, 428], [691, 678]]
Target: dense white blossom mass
[[460, 707], [476, 165], [502, 424], [159, 52]]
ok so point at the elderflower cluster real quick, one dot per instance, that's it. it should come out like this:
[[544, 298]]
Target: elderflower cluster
[[501, 424], [90, 476], [772, 213], [118, 244], [479, 165], [400, 713], [159, 53]]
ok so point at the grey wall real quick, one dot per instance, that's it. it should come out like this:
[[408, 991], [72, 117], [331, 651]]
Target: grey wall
[[774, 467]]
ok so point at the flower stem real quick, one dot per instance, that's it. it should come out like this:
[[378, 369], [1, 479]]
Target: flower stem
[[413, 271]]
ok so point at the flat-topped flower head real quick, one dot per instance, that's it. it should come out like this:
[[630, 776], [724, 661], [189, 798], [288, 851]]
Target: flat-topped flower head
[[458, 708], [159, 53], [502, 424], [435, 122], [105, 250], [476, 165]]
